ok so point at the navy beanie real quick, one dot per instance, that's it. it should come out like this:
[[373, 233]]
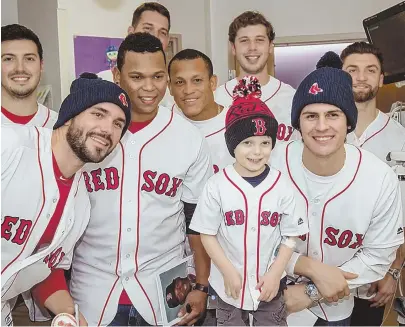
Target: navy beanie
[[326, 85], [89, 90]]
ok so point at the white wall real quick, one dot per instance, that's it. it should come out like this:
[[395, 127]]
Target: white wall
[[290, 18], [9, 12], [108, 18], [42, 19], [190, 18]]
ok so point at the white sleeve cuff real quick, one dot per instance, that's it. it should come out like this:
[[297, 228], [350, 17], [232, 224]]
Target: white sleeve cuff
[[289, 269]]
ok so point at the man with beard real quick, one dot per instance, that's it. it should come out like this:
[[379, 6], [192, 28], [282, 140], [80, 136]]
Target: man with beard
[[45, 205], [251, 36], [143, 197], [379, 134], [152, 18], [21, 68]]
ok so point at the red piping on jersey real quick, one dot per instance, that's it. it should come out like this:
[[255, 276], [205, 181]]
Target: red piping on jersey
[[379, 131], [295, 184], [226, 89], [279, 86], [215, 132], [78, 183], [334, 197], [138, 216], [258, 227], [47, 118], [42, 206], [244, 241], [119, 236]]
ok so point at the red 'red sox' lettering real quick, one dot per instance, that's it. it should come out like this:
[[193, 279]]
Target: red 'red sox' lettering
[[343, 239], [102, 179], [237, 217], [54, 258], [161, 184], [16, 226], [284, 132]]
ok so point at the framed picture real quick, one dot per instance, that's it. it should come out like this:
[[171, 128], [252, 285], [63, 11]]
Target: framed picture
[[173, 47], [174, 283]]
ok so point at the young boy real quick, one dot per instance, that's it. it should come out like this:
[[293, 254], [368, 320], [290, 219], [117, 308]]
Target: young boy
[[245, 211]]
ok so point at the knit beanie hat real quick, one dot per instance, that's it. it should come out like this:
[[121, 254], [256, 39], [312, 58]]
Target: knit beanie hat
[[248, 115], [326, 85], [89, 90]]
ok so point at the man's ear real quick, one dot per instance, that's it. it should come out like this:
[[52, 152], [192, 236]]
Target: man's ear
[[131, 30], [214, 82], [381, 81], [271, 47], [233, 48], [116, 75]]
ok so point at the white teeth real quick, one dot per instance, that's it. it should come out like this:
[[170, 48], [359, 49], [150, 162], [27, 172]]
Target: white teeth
[[190, 100], [99, 140], [147, 99], [323, 138], [20, 79]]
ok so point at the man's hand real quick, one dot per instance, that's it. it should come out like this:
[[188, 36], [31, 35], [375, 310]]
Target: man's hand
[[197, 301], [331, 282], [232, 283], [385, 289], [295, 298], [269, 284]]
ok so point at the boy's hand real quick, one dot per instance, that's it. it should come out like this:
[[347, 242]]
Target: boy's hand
[[269, 284], [233, 283]]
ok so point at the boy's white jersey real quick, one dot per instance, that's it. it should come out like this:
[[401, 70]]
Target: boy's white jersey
[[214, 132], [137, 225], [249, 222], [356, 225], [44, 117], [278, 97], [29, 197]]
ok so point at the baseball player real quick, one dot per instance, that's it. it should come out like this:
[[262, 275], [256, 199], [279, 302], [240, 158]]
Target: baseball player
[[192, 83], [177, 290], [45, 206], [152, 18], [142, 199], [378, 133], [21, 68], [244, 213], [352, 199], [251, 36]]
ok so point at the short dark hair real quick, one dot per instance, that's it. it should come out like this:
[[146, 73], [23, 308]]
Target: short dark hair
[[190, 54], [18, 32], [249, 18], [149, 6], [363, 48], [140, 43]]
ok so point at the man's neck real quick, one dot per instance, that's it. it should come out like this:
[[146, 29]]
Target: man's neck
[[20, 107], [324, 166], [68, 163], [141, 117], [262, 76], [210, 111], [367, 113]]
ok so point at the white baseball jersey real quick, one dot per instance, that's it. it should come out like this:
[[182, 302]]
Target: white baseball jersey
[[44, 117], [356, 224], [382, 136], [249, 222], [214, 132], [29, 197], [278, 97], [137, 223], [167, 100]]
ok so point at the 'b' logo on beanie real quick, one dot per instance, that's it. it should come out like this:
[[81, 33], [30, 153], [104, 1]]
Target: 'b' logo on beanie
[[123, 99], [315, 89], [260, 125]]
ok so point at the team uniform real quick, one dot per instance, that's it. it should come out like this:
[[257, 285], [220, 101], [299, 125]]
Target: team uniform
[[44, 117], [213, 130], [30, 200], [355, 218], [276, 95], [167, 100], [249, 222], [137, 224]]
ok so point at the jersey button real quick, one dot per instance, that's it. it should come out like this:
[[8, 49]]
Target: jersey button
[[316, 201], [127, 278], [253, 229], [127, 256], [48, 215], [132, 142], [314, 214], [54, 200], [315, 253], [128, 229]]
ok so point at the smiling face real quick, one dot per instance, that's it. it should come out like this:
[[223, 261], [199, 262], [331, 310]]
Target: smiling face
[[365, 70], [252, 48], [252, 154], [323, 129], [21, 68], [93, 134], [191, 87]]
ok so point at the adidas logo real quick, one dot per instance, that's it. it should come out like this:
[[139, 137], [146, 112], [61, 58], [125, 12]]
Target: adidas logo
[[400, 230], [300, 221]]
